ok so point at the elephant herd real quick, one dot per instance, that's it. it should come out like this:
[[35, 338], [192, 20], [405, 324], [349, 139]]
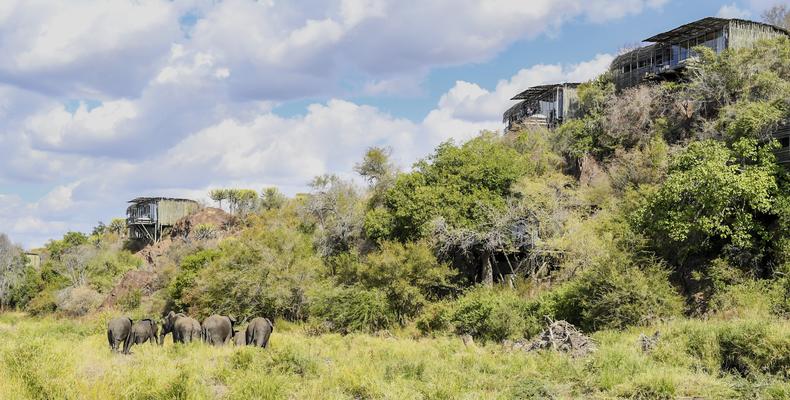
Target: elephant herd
[[216, 330]]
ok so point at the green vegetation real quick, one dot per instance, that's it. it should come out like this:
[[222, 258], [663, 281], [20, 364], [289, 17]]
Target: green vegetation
[[68, 359], [661, 204]]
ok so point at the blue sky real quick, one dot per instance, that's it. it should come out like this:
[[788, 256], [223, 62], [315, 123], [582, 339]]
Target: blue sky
[[105, 101]]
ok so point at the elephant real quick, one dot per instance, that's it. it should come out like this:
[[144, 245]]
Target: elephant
[[145, 330], [185, 329], [119, 330], [258, 332], [218, 329], [239, 338]]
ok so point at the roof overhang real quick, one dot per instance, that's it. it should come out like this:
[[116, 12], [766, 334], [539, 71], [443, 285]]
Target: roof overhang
[[696, 28], [537, 92], [149, 199]]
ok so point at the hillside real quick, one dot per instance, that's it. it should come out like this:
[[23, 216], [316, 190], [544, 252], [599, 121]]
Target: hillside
[[662, 208]]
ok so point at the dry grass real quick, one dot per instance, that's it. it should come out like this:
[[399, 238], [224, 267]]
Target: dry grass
[[70, 359]]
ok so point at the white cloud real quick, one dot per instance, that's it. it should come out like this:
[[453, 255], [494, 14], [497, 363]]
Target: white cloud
[[59, 128], [733, 11], [175, 113], [84, 47]]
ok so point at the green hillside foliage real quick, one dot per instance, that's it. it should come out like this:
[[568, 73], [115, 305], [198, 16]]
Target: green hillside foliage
[[660, 202]]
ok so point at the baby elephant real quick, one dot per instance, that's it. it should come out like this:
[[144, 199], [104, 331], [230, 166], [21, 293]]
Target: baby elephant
[[239, 338], [119, 330], [258, 332], [145, 330]]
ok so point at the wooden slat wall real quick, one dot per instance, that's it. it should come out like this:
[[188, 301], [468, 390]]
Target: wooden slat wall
[[743, 34], [171, 211]]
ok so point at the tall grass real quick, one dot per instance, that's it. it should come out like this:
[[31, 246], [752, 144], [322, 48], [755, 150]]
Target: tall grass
[[70, 359]]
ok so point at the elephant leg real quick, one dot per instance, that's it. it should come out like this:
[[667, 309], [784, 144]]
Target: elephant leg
[[111, 341], [127, 344]]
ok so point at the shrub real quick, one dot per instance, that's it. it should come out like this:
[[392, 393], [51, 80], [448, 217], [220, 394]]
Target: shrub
[[713, 198], [495, 314], [612, 296], [78, 301], [408, 273], [190, 266], [751, 297], [204, 232], [353, 309], [751, 349], [435, 318], [43, 303], [130, 300]]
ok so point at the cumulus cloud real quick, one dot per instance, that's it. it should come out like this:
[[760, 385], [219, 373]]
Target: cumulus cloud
[[733, 11], [104, 102], [84, 47], [287, 152]]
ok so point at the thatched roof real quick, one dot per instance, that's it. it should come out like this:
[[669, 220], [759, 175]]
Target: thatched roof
[[540, 91], [699, 27], [139, 200]]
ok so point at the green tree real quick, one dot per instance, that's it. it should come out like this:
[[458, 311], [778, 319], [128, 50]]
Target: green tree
[[272, 198], [458, 183], [218, 195], [408, 274], [713, 197]]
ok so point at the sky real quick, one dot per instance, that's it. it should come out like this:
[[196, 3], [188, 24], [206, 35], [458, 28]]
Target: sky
[[104, 101]]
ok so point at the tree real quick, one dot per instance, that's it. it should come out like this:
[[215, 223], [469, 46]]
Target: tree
[[510, 233], [70, 240], [74, 265], [336, 210], [99, 230], [379, 171], [457, 183], [714, 198], [242, 201], [12, 270], [117, 226], [218, 195], [778, 15], [272, 198]]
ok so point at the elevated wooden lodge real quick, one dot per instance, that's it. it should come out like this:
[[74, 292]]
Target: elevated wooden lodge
[[149, 218], [664, 58], [544, 105]]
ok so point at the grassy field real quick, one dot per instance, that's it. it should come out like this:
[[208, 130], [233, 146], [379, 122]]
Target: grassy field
[[70, 359]]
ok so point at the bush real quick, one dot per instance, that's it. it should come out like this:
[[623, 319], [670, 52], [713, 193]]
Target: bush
[[43, 303], [204, 232], [267, 269], [130, 300], [353, 309], [78, 301], [190, 266], [612, 296], [435, 318], [408, 273], [748, 298], [751, 349], [495, 314]]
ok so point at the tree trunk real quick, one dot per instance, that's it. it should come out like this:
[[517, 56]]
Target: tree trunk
[[486, 269]]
